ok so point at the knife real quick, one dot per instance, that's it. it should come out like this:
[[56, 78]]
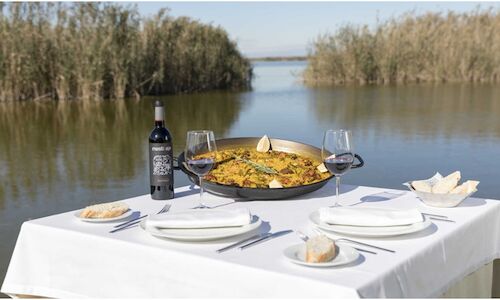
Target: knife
[[130, 221], [266, 238], [126, 226], [253, 237]]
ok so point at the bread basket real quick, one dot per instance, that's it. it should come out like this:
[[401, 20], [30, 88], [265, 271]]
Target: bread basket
[[439, 200]]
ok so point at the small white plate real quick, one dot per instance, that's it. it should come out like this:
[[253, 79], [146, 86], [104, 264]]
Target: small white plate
[[125, 215], [345, 255], [370, 231], [201, 234]]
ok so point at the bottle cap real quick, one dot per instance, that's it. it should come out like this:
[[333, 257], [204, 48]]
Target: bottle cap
[[158, 103]]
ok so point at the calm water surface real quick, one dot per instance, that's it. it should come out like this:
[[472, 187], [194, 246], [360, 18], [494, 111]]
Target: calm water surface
[[56, 157]]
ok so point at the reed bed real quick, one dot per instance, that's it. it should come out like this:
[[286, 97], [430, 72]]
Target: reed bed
[[432, 47], [94, 51]]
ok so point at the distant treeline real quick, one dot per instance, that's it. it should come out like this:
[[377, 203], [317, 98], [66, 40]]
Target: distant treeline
[[279, 58], [101, 50], [432, 47]]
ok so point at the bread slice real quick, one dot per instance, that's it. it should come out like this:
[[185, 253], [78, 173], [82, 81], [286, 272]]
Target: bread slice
[[104, 210], [319, 249], [447, 184], [466, 187], [421, 186]]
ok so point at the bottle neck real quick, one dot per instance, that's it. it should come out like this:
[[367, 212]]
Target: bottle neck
[[159, 117]]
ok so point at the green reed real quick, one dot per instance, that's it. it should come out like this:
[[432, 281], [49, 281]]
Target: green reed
[[101, 50], [433, 47]]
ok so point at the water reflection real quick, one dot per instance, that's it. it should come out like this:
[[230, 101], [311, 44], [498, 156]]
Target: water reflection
[[410, 132], [434, 111], [92, 145]]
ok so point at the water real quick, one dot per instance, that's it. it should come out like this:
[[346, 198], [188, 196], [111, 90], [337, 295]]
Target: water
[[56, 157]]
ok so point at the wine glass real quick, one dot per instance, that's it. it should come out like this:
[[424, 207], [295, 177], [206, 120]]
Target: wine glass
[[200, 156], [337, 154]]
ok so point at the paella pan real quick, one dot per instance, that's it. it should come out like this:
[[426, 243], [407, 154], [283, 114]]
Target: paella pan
[[286, 170]]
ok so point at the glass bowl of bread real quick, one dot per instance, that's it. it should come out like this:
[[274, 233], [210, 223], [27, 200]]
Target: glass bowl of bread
[[439, 191]]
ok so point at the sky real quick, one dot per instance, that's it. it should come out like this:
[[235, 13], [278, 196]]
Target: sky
[[287, 28]]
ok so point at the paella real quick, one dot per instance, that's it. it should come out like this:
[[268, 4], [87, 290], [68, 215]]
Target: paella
[[262, 167]]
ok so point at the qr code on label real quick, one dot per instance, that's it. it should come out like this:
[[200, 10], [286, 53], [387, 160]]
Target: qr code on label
[[161, 165]]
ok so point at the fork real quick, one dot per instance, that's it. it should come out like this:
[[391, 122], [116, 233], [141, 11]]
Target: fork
[[359, 243], [438, 217], [304, 237], [135, 221]]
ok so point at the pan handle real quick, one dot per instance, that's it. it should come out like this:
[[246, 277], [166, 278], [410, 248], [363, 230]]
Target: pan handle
[[360, 164]]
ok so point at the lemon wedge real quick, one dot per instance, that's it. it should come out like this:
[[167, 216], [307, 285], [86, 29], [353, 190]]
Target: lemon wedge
[[275, 184], [264, 144], [322, 168]]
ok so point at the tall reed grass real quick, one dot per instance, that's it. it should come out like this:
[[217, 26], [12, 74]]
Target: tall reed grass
[[101, 50], [432, 47]]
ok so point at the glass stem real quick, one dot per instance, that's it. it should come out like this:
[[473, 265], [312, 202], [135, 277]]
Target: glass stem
[[337, 188], [200, 178]]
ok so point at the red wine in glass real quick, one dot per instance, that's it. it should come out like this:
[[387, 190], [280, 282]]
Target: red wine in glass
[[338, 155], [200, 155], [201, 167], [340, 164]]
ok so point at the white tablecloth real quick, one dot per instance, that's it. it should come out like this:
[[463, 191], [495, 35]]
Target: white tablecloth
[[60, 256]]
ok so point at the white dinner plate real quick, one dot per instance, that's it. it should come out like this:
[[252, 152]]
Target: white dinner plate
[[345, 255], [125, 215], [370, 231], [201, 234]]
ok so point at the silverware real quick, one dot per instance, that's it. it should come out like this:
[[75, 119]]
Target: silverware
[[135, 221], [365, 244], [304, 237], [265, 238], [362, 244], [439, 219], [164, 209], [253, 237], [129, 221], [433, 215], [125, 227]]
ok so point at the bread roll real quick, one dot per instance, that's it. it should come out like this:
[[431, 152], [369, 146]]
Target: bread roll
[[319, 249], [446, 184], [421, 186], [466, 187], [104, 210]]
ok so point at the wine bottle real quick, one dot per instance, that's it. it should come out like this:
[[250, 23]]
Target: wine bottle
[[160, 157]]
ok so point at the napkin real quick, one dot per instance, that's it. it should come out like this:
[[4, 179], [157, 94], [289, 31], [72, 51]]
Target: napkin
[[201, 218], [364, 216]]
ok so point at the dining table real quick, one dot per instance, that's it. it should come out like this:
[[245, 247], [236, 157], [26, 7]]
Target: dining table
[[62, 256]]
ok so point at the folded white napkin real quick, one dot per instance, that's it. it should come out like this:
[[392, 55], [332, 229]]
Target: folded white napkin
[[364, 216], [201, 218]]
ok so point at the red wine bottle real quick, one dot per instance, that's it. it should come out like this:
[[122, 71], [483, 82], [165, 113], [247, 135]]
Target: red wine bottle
[[161, 171]]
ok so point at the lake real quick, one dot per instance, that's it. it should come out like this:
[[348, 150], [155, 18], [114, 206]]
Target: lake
[[60, 156]]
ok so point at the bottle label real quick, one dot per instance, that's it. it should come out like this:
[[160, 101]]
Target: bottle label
[[160, 163]]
